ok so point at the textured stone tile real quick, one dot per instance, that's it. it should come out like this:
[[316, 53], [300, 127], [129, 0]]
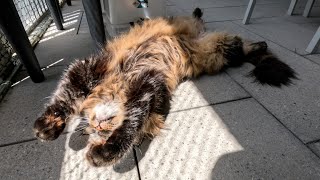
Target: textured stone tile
[[296, 106], [60, 159], [236, 140], [206, 90], [75, 166]]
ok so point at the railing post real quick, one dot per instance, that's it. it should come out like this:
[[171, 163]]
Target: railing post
[[59, 10], [93, 12], [53, 8], [249, 11], [13, 29], [69, 2]]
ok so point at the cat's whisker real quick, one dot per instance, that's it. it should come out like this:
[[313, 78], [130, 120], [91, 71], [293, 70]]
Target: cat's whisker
[[48, 97], [77, 130], [81, 127]]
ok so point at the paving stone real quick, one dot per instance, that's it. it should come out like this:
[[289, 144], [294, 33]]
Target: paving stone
[[67, 47], [281, 31], [23, 103], [213, 14], [315, 148], [206, 90], [205, 4], [60, 159], [314, 57], [236, 140], [296, 106]]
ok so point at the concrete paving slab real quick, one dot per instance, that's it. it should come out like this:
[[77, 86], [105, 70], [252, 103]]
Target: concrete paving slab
[[32, 160], [230, 13], [60, 159], [23, 103], [191, 4], [237, 13], [315, 148], [84, 27], [236, 140], [314, 57], [206, 90], [67, 47], [296, 106], [281, 31]]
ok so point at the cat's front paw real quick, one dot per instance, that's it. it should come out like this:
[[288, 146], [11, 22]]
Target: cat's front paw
[[103, 155], [48, 128]]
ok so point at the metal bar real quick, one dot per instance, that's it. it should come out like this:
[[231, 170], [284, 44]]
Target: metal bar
[[43, 9], [12, 27], [44, 5], [308, 8], [79, 22], [292, 5], [93, 12], [59, 10], [69, 2], [249, 11], [102, 6], [314, 42], [53, 8]]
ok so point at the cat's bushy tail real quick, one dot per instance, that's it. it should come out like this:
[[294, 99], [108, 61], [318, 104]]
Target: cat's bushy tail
[[269, 69], [197, 13]]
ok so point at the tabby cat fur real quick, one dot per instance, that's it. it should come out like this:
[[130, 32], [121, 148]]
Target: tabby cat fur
[[122, 93]]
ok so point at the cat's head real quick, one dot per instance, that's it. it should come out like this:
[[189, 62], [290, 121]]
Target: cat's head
[[51, 123], [103, 113]]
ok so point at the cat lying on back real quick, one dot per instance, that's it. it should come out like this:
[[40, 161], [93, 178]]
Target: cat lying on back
[[122, 92]]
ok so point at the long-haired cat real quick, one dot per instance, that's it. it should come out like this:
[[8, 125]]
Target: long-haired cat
[[122, 93]]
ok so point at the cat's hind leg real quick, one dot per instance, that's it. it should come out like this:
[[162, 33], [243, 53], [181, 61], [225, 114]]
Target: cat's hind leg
[[268, 68], [218, 50]]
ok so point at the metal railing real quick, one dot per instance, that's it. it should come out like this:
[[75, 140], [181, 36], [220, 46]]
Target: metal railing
[[31, 13]]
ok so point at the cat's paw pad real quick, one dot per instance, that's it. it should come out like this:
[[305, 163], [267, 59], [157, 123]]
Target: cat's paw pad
[[259, 46], [101, 155], [48, 128]]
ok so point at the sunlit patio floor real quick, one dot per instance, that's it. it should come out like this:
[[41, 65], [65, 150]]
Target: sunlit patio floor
[[219, 127]]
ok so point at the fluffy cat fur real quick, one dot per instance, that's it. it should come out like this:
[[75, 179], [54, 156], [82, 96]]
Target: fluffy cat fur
[[122, 92]]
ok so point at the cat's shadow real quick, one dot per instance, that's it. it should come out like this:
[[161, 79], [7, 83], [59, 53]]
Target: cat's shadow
[[138, 152], [78, 141]]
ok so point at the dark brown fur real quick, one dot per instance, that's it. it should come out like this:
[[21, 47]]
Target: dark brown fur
[[124, 91]]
